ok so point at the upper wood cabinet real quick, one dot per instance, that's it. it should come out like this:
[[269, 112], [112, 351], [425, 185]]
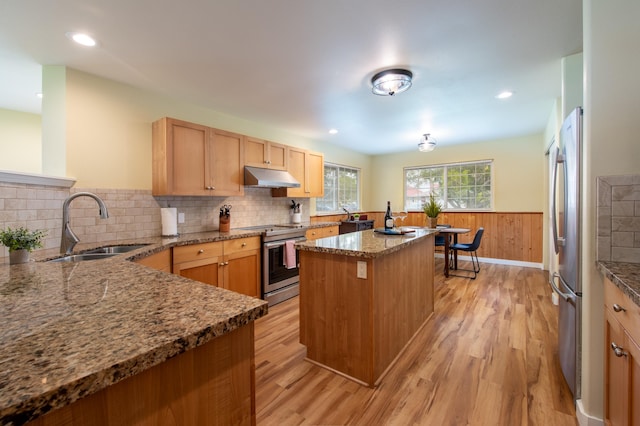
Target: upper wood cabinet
[[308, 169], [265, 154], [191, 159]]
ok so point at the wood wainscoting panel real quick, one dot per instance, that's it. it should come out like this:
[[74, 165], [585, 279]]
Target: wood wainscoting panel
[[514, 236]]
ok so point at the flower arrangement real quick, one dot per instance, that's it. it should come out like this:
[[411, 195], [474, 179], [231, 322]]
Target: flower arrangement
[[21, 239]]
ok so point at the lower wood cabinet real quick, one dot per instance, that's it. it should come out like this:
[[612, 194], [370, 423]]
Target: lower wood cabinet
[[622, 358], [160, 261], [231, 264], [323, 232]]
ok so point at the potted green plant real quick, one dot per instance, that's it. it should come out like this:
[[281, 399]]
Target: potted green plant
[[432, 209], [21, 242]]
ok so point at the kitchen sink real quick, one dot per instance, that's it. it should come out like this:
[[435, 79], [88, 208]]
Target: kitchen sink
[[116, 249], [82, 257], [99, 253]]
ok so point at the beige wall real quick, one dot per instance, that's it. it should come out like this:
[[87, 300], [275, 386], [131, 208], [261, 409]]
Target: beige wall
[[518, 168], [20, 141], [109, 133], [612, 147]]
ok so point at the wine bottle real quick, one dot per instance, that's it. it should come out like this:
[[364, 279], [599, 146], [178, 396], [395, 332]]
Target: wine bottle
[[388, 219]]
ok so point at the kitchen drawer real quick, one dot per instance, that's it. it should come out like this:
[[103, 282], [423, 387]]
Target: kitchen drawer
[[241, 244], [629, 318], [197, 252]]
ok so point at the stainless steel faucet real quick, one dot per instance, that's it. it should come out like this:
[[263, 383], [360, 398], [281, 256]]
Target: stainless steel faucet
[[69, 239]]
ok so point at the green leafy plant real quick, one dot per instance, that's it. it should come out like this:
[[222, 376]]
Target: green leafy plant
[[432, 208], [21, 239]]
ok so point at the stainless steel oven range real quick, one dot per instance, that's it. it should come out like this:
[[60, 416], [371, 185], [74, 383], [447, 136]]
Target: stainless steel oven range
[[278, 282]]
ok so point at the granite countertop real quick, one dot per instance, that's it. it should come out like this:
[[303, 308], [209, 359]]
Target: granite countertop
[[365, 244], [71, 329], [626, 276]]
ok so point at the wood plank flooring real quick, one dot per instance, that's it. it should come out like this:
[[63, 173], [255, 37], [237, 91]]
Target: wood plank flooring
[[488, 356]]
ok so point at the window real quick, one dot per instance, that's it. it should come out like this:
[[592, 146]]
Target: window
[[460, 186], [341, 189]]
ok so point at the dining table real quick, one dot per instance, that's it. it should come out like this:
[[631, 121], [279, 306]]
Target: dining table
[[447, 232]]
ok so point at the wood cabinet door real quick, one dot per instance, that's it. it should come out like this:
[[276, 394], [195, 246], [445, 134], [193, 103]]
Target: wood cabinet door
[[208, 271], [297, 169], [616, 367], [277, 156], [255, 152], [179, 157], [242, 268], [315, 174], [225, 173], [265, 154], [242, 272], [634, 381]]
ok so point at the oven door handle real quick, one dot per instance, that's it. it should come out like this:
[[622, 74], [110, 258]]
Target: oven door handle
[[282, 242]]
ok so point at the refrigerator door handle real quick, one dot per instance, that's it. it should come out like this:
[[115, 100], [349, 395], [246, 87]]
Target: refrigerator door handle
[[568, 297], [557, 159]]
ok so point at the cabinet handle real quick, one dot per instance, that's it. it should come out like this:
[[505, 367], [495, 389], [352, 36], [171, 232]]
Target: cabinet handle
[[200, 251], [618, 350], [618, 308], [244, 244]]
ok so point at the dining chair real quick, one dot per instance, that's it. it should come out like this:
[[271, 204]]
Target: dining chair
[[471, 248]]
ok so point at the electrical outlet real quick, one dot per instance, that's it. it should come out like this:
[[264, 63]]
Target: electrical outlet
[[180, 217], [362, 270]]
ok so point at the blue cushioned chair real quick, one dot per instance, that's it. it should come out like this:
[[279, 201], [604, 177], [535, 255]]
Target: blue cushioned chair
[[473, 249], [440, 238]]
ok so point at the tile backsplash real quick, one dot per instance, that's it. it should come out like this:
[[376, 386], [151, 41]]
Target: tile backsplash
[[132, 213], [618, 218]]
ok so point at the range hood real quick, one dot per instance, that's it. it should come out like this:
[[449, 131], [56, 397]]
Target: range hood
[[267, 178]]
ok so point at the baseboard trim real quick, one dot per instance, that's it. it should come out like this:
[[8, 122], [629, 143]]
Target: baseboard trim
[[499, 261], [585, 419]]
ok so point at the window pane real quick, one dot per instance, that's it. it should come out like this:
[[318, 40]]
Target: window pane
[[341, 189], [420, 183], [466, 186]]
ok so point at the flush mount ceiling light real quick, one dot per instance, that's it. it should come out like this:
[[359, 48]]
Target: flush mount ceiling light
[[427, 144], [390, 82]]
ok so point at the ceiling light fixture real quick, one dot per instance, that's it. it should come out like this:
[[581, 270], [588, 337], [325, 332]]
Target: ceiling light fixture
[[504, 95], [428, 143], [333, 131], [81, 38], [390, 82]]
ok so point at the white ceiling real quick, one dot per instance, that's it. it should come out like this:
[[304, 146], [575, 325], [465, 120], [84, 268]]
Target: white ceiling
[[305, 66]]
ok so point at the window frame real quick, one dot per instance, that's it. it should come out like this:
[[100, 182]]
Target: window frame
[[445, 189], [337, 166]]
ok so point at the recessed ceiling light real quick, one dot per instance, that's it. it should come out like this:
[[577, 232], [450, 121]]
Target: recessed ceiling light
[[333, 131], [504, 95], [81, 38], [39, 94]]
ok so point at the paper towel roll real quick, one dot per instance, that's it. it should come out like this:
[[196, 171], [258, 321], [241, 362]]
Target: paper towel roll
[[169, 216]]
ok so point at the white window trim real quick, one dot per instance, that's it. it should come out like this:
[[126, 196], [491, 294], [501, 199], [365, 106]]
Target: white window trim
[[359, 195], [446, 165]]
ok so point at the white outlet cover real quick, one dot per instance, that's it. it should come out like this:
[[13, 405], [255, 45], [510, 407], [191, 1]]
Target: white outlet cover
[[180, 217], [362, 270]]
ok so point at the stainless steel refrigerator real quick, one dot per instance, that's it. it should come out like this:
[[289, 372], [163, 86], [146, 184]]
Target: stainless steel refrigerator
[[566, 233]]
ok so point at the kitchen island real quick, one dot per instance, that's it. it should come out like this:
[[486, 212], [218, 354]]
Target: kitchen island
[[363, 296], [114, 342]]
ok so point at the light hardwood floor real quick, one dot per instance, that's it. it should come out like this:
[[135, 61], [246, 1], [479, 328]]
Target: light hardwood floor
[[488, 356]]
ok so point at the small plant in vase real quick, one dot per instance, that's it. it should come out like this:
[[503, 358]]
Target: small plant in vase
[[21, 242], [432, 209]]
